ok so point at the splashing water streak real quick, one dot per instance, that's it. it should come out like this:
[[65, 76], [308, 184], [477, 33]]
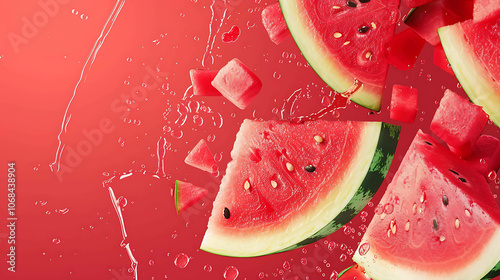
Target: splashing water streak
[[118, 209], [161, 150], [212, 35], [346, 97], [56, 165]]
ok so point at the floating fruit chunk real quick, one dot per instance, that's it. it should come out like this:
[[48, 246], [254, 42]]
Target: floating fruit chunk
[[202, 82], [201, 157], [237, 83], [404, 103], [404, 49], [486, 155], [186, 195], [275, 24], [459, 123]]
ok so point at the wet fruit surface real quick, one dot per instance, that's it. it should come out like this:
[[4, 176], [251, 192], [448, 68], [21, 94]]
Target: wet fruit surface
[[133, 119]]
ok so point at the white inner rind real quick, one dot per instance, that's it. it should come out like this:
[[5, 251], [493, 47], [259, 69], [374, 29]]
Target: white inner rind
[[473, 76], [472, 269], [305, 223], [320, 59]]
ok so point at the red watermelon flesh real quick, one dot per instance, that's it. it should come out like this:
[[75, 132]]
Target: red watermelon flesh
[[275, 24], [461, 8], [237, 83], [416, 3], [484, 37], [404, 48], [201, 157], [404, 103], [438, 219], [440, 59], [425, 20], [486, 155], [345, 42], [485, 8], [187, 194], [459, 123], [202, 82]]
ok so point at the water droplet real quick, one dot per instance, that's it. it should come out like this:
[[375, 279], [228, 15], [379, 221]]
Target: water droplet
[[177, 134], [198, 120], [121, 201], [211, 138], [56, 241], [334, 275], [388, 208], [181, 260], [343, 257], [231, 273], [364, 248], [492, 176], [276, 75], [332, 245], [84, 17], [261, 275], [151, 262], [207, 268], [303, 261], [286, 265]]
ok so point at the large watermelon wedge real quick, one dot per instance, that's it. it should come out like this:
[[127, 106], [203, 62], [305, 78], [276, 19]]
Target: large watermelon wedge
[[291, 184], [473, 51], [345, 42], [438, 219]]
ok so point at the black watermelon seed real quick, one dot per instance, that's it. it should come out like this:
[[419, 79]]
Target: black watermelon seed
[[310, 168], [352, 4], [453, 171], [435, 224], [226, 213], [462, 179], [364, 1], [428, 143], [445, 200], [363, 29]]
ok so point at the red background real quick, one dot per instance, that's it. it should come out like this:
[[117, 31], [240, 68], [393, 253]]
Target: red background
[[67, 227]]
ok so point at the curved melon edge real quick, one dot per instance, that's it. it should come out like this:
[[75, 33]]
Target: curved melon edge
[[383, 269], [474, 78], [327, 67], [336, 209]]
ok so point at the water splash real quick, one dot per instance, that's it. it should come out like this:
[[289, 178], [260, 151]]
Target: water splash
[[161, 150], [56, 165], [219, 10], [118, 209]]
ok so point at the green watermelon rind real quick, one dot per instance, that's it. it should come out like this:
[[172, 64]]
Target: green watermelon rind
[[373, 166], [493, 273], [177, 194], [380, 164], [472, 75], [329, 70]]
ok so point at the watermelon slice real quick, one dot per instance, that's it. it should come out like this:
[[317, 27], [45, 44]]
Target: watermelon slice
[[404, 103], [459, 123], [404, 48], [237, 83], [201, 158], [484, 9], [426, 20], [472, 48], [345, 42], [440, 59], [202, 82], [486, 155], [275, 24], [291, 184], [186, 195], [437, 220]]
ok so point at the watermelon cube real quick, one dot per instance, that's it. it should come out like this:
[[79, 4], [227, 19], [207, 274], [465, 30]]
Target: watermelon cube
[[404, 103], [486, 155], [403, 49], [201, 158], [459, 123], [237, 83], [425, 20], [202, 82], [440, 59], [186, 195], [275, 24], [416, 3]]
